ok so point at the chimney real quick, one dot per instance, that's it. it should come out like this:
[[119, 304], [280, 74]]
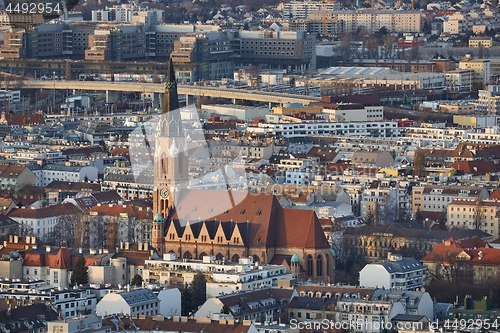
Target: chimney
[[127, 245], [28, 239], [80, 250], [33, 240], [139, 246], [16, 239], [47, 249], [11, 238], [121, 245]]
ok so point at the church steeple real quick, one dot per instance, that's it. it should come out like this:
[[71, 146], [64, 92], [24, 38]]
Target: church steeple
[[171, 101], [170, 160]]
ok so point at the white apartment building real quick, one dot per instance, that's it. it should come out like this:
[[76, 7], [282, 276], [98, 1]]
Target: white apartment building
[[40, 222], [395, 273], [376, 129], [52, 172], [461, 213], [134, 302], [436, 198], [226, 277]]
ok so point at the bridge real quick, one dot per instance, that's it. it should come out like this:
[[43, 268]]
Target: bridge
[[157, 89]]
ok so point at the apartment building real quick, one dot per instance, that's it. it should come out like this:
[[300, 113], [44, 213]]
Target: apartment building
[[397, 272], [368, 308], [349, 21], [489, 100], [373, 129], [485, 42], [382, 199], [117, 43], [436, 198], [41, 222], [134, 302], [191, 57], [474, 214], [289, 50], [480, 67]]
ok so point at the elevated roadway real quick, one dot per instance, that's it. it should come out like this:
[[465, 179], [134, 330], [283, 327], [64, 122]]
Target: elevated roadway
[[159, 88]]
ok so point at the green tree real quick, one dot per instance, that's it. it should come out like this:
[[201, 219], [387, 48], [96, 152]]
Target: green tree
[[370, 217], [80, 274], [186, 301], [136, 280], [198, 291]]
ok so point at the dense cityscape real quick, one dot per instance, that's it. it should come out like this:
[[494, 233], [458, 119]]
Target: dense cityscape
[[249, 167]]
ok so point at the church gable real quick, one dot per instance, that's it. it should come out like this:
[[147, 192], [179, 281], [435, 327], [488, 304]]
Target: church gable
[[171, 234], [220, 237], [204, 236], [187, 235], [236, 237]]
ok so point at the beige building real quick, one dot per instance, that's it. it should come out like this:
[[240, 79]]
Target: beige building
[[485, 42], [457, 108], [462, 213], [481, 68], [436, 198]]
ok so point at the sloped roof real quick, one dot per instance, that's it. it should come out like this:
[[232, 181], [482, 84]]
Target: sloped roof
[[44, 212], [260, 218], [11, 171]]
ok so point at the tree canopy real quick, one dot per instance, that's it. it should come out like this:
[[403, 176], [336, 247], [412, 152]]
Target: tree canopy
[[80, 274]]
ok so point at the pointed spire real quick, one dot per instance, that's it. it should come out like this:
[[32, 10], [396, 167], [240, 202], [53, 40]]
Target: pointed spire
[[171, 101]]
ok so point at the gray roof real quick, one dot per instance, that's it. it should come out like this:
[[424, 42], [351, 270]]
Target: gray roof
[[408, 317], [139, 297], [402, 266], [399, 295]]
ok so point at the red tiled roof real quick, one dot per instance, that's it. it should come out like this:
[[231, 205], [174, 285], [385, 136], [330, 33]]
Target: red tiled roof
[[22, 120], [268, 223], [475, 167], [48, 211]]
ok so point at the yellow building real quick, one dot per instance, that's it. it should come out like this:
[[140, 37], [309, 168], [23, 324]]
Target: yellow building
[[485, 42], [481, 68], [462, 214]]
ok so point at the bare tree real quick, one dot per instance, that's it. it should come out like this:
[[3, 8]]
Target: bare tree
[[388, 42], [346, 45], [479, 214], [419, 163], [63, 233]]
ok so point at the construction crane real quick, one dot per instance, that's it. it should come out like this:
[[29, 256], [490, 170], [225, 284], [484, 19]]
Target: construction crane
[[324, 28]]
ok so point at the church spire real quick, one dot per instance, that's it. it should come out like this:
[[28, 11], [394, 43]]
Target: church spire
[[171, 101]]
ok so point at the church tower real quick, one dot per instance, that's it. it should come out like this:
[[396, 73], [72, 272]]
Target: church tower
[[170, 160]]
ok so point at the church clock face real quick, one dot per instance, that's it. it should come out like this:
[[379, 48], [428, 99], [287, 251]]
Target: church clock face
[[164, 193]]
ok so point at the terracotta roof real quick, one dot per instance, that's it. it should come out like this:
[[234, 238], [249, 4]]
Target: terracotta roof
[[116, 209], [48, 211], [475, 167], [495, 194], [22, 120], [150, 324], [268, 223], [62, 260], [58, 257], [448, 250]]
